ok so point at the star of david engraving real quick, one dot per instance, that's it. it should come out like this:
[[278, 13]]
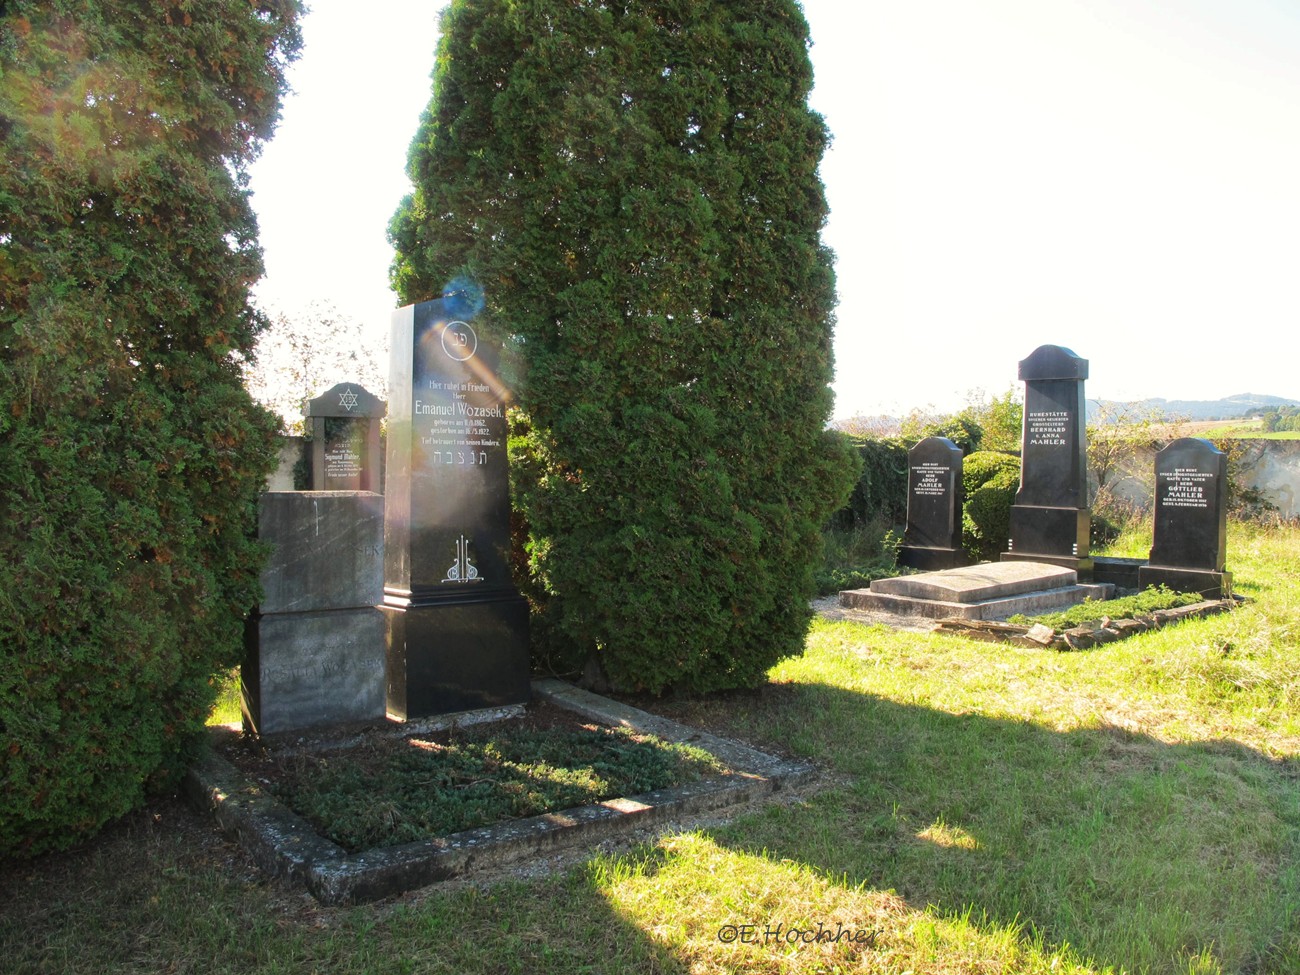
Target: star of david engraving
[[348, 399]]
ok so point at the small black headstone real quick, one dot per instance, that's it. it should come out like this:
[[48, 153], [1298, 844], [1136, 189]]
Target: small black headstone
[[344, 426], [458, 628], [1190, 546], [1050, 520], [934, 499]]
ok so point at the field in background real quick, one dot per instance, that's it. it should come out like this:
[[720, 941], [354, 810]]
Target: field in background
[[1251, 429]]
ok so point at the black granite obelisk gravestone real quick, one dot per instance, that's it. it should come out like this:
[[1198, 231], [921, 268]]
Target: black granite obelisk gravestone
[[344, 426], [932, 540], [1189, 549], [457, 627], [1050, 519]]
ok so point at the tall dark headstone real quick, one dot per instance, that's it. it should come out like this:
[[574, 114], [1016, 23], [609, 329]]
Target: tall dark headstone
[[344, 427], [457, 627], [934, 499], [1050, 519], [1190, 548]]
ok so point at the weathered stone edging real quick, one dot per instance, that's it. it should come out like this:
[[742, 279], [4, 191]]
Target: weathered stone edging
[[284, 845], [1101, 631]]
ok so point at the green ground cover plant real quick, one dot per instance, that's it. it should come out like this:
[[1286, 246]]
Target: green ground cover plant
[[1123, 607], [398, 790], [984, 809]]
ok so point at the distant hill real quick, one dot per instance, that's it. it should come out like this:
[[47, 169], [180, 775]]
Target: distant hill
[[1228, 408]]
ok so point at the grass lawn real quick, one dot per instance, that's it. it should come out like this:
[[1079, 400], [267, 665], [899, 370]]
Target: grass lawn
[[990, 809]]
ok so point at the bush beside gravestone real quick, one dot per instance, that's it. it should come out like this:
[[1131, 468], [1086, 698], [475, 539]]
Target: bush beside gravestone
[[634, 188], [990, 479], [130, 454]]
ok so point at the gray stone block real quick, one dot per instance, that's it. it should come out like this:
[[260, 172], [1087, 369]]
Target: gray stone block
[[306, 670], [327, 550], [1046, 601]]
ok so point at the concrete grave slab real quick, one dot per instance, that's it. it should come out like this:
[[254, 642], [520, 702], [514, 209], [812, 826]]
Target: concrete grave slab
[[989, 591], [977, 583]]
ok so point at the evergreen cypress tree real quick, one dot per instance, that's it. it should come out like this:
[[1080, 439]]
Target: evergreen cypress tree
[[634, 186], [130, 454]]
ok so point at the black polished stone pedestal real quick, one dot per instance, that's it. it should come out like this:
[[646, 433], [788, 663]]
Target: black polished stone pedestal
[[1057, 536], [1120, 572], [460, 655], [457, 627], [1210, 584]]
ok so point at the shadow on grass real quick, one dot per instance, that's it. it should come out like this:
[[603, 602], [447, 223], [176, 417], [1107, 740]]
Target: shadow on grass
[[161, 891], [1141, 855], [1138, 853]]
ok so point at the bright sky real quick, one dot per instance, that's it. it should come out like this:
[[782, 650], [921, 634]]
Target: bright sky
[[1121, 177]]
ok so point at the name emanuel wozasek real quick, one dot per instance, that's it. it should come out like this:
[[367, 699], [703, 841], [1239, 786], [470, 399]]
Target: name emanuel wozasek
[[459, 409]]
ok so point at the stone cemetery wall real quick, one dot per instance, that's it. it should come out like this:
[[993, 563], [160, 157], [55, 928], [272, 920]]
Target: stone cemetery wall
[[1271, 466], [293, 452]]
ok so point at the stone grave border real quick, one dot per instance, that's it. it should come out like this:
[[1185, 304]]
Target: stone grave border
[[1103, 630], [285, 845]]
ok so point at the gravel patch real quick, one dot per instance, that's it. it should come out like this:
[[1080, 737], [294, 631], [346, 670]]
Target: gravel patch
[[828, 607]]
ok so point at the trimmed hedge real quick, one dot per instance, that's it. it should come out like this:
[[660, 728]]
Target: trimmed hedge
[[991, 480], [880, 492], [130, 454], [634, 187]]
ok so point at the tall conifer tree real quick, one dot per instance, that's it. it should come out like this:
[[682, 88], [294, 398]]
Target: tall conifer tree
[[634, 185], [130, 454]]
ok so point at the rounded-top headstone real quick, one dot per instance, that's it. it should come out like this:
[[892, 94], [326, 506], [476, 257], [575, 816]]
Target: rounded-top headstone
[[1191, 505], [934, 499], [1053, 362]]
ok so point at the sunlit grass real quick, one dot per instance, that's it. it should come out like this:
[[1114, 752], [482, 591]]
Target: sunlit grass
[[1137, 801], [226, 709], [720, 910], [986, 809]]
